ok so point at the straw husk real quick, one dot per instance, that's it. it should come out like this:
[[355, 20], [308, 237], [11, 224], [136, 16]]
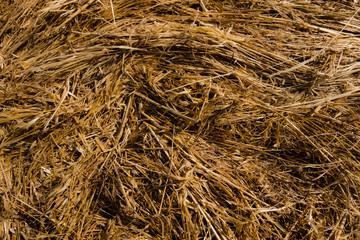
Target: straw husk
[[179, 119]]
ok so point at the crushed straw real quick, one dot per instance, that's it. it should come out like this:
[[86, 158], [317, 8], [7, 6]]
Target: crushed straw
[[179, 119]]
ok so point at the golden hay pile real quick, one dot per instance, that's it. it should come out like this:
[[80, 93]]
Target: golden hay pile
[[195, 119]]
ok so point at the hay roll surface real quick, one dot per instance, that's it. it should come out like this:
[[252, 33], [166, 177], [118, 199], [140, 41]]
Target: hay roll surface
[[197, 119]]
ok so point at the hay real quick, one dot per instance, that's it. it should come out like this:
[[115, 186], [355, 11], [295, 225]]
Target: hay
[[179, 119]]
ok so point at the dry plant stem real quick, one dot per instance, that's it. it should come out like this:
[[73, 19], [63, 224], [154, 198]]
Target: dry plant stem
[[120, 130], [202, 80], [319, 102], [205, 101], [205, 216], [65, 93], [176, 113], [112, 10], [319, 52], [77, 12]]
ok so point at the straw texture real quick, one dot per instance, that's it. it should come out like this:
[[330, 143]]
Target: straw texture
[[196, 119]]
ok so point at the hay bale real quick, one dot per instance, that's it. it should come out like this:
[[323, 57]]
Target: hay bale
[[179, 119]]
